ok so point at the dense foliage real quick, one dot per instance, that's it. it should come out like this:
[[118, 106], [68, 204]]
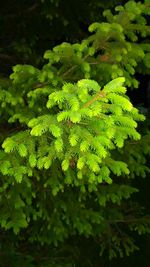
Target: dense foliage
[[71, 146]]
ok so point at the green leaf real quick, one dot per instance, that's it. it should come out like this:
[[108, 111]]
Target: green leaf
[[75, 117], [59, 145], [22, 150], [73, 139], [32, 160], [80, 163], [65, 165]]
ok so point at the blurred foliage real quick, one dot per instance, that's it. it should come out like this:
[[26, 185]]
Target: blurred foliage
[[28, 28]]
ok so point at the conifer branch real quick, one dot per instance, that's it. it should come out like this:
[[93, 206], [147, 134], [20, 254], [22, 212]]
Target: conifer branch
[[99, 95]]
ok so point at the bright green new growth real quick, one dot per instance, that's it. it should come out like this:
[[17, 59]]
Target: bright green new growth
[[65, 170], [81, 127]]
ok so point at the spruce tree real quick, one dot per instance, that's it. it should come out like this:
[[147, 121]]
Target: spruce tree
[[70, 141]]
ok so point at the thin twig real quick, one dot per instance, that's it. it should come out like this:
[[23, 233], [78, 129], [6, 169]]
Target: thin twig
[[100, 94]]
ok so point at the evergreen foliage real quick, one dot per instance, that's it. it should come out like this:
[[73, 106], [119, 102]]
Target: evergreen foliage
[[70, 143], [30, 27]]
